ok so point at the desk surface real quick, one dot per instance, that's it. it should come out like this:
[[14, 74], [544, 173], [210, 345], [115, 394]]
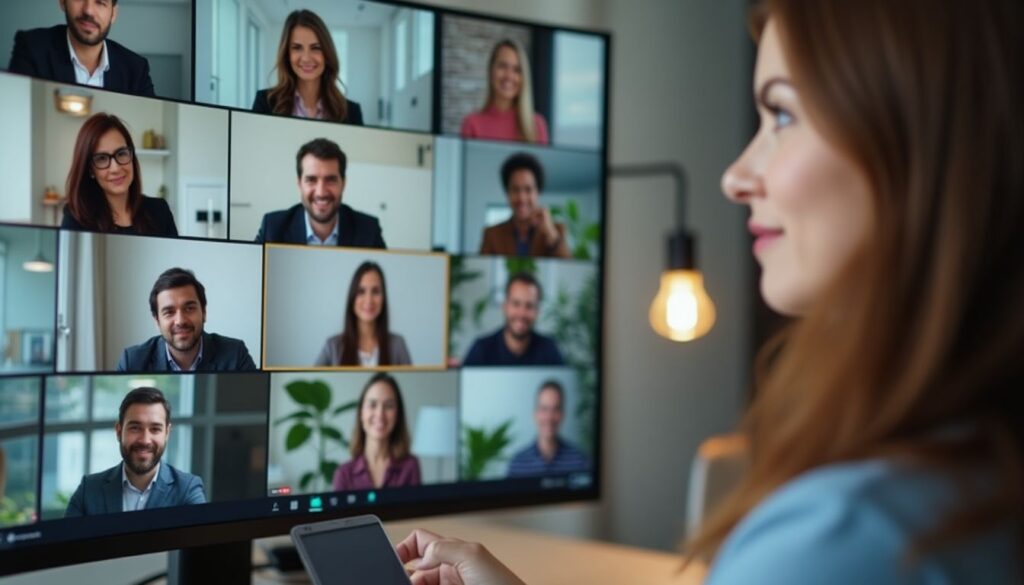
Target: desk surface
[[543, 559]]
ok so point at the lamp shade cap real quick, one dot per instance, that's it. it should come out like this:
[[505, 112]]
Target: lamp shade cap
[[682, 251]]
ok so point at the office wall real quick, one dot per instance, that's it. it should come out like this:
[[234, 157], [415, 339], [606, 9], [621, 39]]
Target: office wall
[[16, 145]]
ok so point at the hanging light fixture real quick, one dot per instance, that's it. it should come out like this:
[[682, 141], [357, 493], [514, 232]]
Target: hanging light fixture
[[38, 263], [682, 309], [72, 101]]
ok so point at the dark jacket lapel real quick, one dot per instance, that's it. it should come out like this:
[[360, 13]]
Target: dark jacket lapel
[[297, 226], [113, 491], [163, 486], [59, 57], [158, 358], [346, 226]]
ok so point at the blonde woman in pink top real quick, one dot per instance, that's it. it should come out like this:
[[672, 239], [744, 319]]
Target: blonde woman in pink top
[[508, 112]]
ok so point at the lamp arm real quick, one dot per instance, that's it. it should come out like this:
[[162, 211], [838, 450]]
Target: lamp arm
[[672, 169]]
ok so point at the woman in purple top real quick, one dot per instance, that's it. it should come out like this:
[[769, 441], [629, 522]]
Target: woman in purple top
[[380, 441], [508, 112]]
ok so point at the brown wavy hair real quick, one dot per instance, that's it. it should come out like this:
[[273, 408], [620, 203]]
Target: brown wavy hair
[[922, 331], [86, 202], [399, 443], [350, 335], [282, 95]]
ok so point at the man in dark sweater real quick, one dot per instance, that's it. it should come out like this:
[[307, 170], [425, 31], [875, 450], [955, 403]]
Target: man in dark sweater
[[79, 51], [178, 303], [517, 344]]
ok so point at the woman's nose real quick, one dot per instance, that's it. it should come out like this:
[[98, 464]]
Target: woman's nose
[[742, 180]]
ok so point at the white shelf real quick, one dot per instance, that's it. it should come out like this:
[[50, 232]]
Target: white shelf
[[153, 153]]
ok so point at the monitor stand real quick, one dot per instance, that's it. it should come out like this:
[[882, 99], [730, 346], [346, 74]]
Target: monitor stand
[[224, 564]]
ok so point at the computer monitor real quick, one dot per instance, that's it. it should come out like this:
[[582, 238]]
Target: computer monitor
[[261, 267]]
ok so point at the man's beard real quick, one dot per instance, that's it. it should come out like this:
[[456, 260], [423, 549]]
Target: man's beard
[[188, 344], [140, 468], [101, 34], [525, 335]]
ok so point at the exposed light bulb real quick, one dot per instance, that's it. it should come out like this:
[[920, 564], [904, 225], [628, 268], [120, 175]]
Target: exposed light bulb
[[682, 309]]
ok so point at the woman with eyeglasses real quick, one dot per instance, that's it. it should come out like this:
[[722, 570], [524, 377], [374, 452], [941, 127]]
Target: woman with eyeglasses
[[104, 186]]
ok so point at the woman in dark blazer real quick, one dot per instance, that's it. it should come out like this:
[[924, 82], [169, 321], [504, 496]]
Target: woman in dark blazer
[[104, 186], [307, 75]]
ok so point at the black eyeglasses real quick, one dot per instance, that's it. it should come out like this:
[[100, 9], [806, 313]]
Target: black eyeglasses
[[123, 156]]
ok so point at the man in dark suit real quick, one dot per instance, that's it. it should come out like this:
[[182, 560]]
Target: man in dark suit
[[178, 304], [79, 52], [140, 481], [321, 219]]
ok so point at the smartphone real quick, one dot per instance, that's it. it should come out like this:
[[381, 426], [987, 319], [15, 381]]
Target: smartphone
[[349, 551]]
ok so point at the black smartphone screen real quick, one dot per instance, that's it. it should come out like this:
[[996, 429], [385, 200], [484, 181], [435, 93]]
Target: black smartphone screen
[[361, 554]]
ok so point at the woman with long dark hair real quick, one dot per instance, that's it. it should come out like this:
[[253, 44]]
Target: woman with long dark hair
[[886, 196], [380, 441], [366, 340], [307, 75], [508, 110], [104, 186]]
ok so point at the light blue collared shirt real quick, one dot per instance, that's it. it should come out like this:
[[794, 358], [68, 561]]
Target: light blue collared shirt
[[852, 523], [173, 365], [313, 240], [82, 74], [132, 499]]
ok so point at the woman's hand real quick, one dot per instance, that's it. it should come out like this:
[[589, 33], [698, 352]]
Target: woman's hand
[[436, 560]]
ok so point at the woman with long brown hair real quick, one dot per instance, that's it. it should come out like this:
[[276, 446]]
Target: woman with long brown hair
[[307, 75], [104, 186], [380, 441], [885, 193], [508, 110], [366, 340]]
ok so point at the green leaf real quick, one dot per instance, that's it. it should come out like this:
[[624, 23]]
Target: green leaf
[[294, 415], [327, 469], [307, 478], [331, 433], [316, 393], [556, 211], [572, 210], [345, 407], [592, 233], [297, 436], [581, 251], [478, 310]]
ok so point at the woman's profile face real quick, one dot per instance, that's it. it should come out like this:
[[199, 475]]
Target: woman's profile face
[[369, 297], [379, 411], [116, 179], [810, 205], [506, 74], [305, 54]]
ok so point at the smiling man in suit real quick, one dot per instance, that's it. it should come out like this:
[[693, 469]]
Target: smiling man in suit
[[178, 304], [141, 481], [79, 51], [320, 218]]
